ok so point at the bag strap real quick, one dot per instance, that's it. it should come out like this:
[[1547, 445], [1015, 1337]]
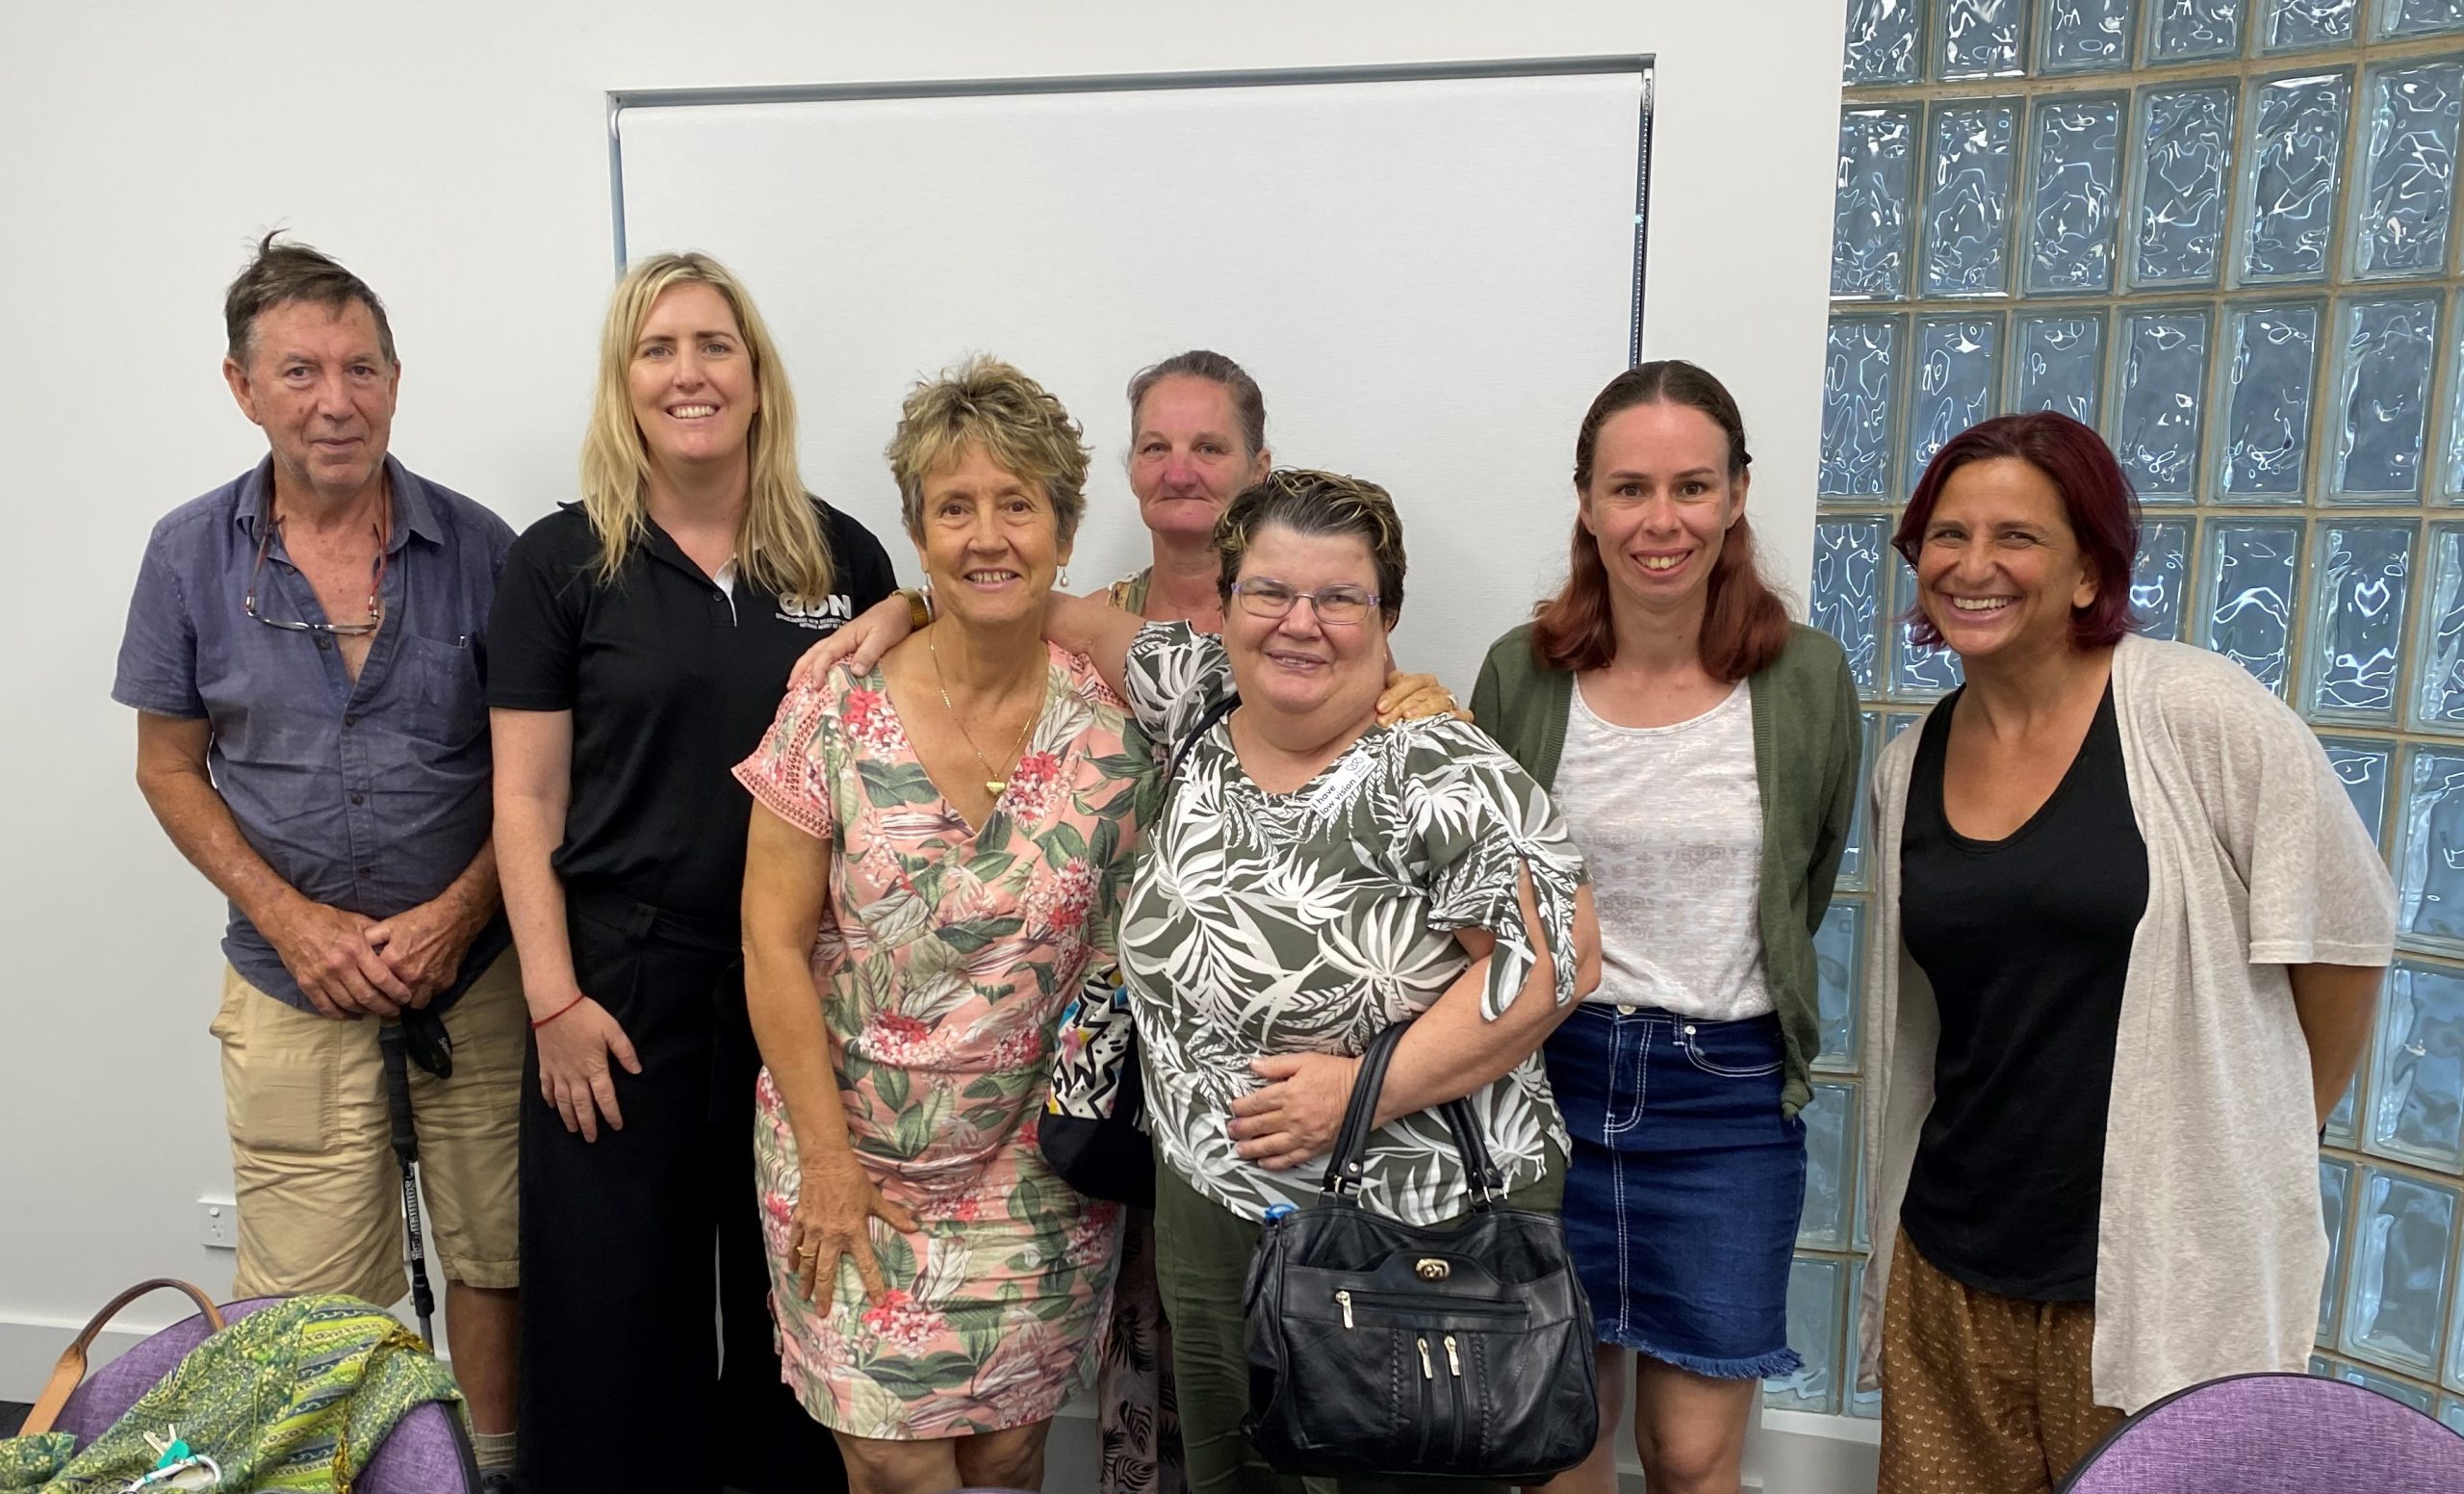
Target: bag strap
[[1105, 975], [71, 1372], [1360, 1115], [1206, 720]]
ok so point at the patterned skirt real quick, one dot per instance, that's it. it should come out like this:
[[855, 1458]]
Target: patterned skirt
[[992, 1307]]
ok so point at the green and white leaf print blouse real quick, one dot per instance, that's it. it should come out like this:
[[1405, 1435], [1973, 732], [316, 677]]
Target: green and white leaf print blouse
[[1264, 923]]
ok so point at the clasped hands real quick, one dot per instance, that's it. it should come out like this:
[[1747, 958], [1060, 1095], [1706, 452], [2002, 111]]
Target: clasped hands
[[348, 965]]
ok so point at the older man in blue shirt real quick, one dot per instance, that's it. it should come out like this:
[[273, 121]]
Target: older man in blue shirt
[[304, 654]]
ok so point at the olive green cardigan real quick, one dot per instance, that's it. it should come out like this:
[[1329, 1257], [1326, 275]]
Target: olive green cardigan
[[1805, 738]]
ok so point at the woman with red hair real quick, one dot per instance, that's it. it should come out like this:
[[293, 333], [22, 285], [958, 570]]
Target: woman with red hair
[[1703, 750], [2127, 935]]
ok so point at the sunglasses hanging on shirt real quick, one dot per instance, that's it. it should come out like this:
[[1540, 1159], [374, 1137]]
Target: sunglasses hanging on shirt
[[272, 526]]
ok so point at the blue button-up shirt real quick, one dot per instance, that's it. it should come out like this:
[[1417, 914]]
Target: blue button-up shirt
[[369, 794]]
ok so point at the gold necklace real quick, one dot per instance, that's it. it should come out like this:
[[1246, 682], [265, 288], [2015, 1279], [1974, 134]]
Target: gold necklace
[[995, 783]]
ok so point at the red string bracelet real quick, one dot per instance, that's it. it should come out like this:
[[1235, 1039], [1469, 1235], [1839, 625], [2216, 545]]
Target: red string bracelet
[[538, 1022]]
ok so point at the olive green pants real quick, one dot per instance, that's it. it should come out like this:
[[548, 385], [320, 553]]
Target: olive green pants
[[1202, 1253]]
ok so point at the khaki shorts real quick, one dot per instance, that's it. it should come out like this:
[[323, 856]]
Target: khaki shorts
[[319, 1192]]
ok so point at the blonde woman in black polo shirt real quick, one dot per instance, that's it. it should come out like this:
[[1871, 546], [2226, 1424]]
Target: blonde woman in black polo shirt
[[640, 643]]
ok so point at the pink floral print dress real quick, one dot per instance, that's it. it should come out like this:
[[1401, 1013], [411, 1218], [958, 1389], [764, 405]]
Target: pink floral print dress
[[942, 963]]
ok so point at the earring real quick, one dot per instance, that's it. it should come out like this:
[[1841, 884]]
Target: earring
[[1063, 580]]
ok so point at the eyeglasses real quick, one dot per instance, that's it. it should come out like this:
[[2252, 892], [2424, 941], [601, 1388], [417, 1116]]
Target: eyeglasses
[[269, 524], [1336, 606]]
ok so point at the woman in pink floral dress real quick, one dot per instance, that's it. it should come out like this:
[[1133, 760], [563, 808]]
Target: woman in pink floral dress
[[938, 852]]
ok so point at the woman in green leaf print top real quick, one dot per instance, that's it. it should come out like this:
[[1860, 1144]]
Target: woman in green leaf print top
[[1314, 877], [938, 852]]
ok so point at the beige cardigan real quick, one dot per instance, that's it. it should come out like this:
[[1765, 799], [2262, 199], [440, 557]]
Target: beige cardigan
[[2209, 1246]]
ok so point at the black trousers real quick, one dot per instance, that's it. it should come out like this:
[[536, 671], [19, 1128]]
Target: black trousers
[[631, 1242]]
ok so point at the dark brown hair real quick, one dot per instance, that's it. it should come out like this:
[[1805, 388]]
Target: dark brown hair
[[1315, 503], [285, 272], [1745, 625]]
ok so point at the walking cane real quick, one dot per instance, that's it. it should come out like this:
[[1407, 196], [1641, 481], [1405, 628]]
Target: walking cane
[[406, 1152]]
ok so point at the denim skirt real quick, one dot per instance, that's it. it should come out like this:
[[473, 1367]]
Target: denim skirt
[[1683, 1194]]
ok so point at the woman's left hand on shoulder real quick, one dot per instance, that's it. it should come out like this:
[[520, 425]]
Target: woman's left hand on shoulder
[[1293, 1116], [1411, 697], [861, 641]]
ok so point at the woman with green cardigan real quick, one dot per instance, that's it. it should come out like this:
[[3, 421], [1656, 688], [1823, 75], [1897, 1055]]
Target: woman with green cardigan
[[1703, 750]]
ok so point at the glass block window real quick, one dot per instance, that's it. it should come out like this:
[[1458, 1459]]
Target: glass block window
[[2223, 233]]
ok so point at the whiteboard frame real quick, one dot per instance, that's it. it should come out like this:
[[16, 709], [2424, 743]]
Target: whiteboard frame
[[1642, 65]]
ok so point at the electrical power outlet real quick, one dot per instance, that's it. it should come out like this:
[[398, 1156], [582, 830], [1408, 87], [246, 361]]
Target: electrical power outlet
[[218, 1224]]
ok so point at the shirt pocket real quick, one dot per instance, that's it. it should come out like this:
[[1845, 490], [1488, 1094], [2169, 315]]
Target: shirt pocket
[[440, 697]]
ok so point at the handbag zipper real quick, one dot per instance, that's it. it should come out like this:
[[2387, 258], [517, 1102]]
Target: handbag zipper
[[1454, 1367], [1429, 1403], [1447, 1306]]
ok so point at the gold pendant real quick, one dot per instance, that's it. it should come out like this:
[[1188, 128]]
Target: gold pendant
[[997, 787]]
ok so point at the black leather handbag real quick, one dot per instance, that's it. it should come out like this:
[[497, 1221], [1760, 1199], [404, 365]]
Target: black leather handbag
[[1377, 1347]]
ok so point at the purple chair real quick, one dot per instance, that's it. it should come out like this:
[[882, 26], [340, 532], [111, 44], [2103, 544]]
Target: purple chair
[[2274, 1434], [426, 1453]]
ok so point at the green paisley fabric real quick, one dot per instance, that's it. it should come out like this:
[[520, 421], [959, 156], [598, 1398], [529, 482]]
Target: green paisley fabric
[[294, 1399]]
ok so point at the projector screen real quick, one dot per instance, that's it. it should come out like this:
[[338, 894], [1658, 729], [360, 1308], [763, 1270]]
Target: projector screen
[[1430, 275]]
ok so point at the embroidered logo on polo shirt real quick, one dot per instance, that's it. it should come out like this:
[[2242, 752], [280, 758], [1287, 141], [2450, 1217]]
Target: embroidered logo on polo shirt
[[827, 615]]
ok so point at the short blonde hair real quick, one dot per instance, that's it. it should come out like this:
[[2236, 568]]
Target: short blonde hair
[[781, 544], [984, 401], [1308, 501]]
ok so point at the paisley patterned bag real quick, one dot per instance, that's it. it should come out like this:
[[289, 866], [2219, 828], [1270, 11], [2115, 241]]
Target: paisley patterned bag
[[294, 1398]]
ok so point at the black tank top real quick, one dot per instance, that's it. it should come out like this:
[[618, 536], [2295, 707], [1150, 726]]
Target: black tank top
[[2025, 941]]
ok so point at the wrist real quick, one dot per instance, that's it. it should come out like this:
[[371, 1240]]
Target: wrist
[[539, 1022], [545, 998], [919, 606], [472, 910], [825, 1158], [278, 913]]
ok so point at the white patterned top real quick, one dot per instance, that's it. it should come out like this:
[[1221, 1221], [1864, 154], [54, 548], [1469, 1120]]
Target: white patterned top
[[1264, 923], [1670, 823]]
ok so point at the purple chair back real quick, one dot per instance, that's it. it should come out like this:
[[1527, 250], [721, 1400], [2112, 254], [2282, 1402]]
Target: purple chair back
[[2274, 1434], [426, 1454]]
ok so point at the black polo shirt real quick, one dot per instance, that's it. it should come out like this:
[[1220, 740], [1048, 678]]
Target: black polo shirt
[[671, 681]]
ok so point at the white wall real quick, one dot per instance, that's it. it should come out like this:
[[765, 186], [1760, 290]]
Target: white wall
[[1476, 232], [454, 153]]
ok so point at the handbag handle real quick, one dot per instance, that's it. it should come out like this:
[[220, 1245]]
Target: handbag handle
[[71, 1372], [1360, 1114], [1480, 1173], [1344, 1169]]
